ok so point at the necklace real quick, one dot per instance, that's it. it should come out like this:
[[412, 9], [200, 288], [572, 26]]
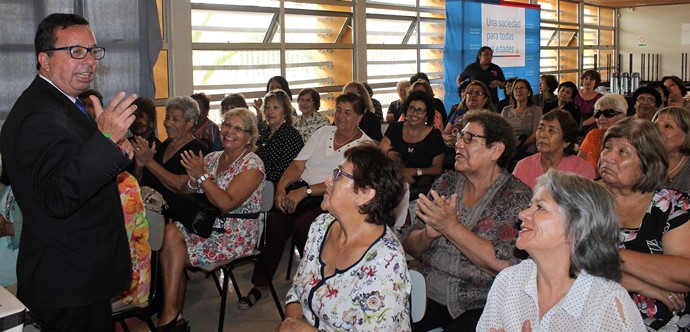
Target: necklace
[[410, 147], [678, 165], [346, 141], [236, 159]]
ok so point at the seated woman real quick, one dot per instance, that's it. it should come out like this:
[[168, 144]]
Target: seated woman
[[547, 86], [523, 117], [464, 233], [566, 92], [610, 109], [424, 86], [354, 236], [370, 123], [230, 101], [676, 92], [232, 180], [556, 140], [475, 97], [586, 99], [279, 143], [396, 106], [10, 233], [417, 144], [275, 82], [159, 166], [653, 222], [145, 123], [674, 124], [647, 102], [309, 102], [570, 234], [299, 192]]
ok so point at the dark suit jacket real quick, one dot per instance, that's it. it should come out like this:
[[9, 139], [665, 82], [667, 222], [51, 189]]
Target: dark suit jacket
[[63, 171]]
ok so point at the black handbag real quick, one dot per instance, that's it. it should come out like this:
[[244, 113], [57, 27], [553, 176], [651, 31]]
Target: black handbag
[[198, 215]]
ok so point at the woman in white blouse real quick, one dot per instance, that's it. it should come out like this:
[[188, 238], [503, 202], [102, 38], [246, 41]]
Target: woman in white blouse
[[571, 281]]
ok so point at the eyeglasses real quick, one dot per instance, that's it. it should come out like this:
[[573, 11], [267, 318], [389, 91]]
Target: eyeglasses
[[520, 88], [468, 137], [474, 93], [80, 52], [234, 128], [338, 172], [303, 100], [416, 110], [650, 100], [607, 113]]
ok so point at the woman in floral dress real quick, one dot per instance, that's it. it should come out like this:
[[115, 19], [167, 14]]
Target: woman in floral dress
[[232, 180], [653, 222], [354, 276]]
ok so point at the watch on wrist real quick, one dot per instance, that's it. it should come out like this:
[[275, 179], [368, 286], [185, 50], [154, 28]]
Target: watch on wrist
[[419, 172], [202, 179], [308, 190]]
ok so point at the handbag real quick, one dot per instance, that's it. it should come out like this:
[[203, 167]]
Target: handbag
[[198, 215], [308, 203]]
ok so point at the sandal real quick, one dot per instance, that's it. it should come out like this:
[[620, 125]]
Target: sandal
[[248, 301]]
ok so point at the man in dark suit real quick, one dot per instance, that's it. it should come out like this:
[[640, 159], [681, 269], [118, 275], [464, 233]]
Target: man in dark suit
[[63, 166]]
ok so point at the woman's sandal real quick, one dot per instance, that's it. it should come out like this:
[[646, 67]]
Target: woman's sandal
[[175, 325], [248, 301]]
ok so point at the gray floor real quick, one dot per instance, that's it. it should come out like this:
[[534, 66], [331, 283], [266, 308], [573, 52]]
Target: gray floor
[[202, 304]]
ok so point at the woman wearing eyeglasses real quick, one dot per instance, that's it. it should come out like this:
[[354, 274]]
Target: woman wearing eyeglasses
[[353, 276], [417, 144], [309, 102], [647, 102], [476, 97], [610, 109], [464, 233]]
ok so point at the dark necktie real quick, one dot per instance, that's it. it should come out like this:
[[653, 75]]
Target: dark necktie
[[82, 108]]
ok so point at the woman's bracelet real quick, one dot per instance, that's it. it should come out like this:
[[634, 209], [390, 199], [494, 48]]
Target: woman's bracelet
[[190, 187]]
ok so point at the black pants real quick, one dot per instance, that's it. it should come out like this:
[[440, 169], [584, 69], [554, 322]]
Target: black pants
[[437, 316], [92, 317]]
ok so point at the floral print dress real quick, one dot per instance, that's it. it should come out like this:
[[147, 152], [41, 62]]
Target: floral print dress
[[668, 210], [371, 295], [240, 235]]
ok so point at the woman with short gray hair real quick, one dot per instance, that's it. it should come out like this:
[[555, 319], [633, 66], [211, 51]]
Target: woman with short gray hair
[[159, 167], [570, 233], [653, 223], [608, 110]]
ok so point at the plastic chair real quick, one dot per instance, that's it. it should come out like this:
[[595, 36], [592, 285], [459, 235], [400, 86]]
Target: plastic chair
[[417, 296], [227, 266], [144, 311]]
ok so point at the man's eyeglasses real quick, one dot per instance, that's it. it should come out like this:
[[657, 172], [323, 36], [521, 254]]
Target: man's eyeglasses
[[416, 110], [607, 113], [234, 128], [468, 137], [470, 92], [338, 172], [80, 52]]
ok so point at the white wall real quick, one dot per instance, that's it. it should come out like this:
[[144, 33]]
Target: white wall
[[661, 25]]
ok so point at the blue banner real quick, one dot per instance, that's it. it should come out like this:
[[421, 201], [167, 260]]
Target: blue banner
[[510, 29]]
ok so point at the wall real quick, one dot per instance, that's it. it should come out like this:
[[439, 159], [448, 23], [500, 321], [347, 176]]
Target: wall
[[661, 25]]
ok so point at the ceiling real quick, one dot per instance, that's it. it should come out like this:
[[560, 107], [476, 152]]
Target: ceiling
[[634, 3]]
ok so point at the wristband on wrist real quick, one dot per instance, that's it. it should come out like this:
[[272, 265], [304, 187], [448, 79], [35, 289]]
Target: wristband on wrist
[[190, 187], [203, 178]]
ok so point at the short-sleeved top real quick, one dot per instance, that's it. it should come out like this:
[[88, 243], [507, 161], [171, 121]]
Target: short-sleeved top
[[530, 168], [310, 125], [452, 279], [320, 156], [173, 165], [241, 234], [474, 72], [589, 305], [209, 133], [370, 295], [669, 209], [278, 151], [441, 109], [592, 145], [417, 155], [395, 108], [524, 123]]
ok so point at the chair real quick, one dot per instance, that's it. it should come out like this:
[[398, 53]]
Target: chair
[[293, 247], [417, 296], [144, 311], [227, 266]]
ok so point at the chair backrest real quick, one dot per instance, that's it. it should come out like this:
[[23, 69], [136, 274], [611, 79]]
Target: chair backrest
[[156, 229], [417, 296], [268, 193]]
